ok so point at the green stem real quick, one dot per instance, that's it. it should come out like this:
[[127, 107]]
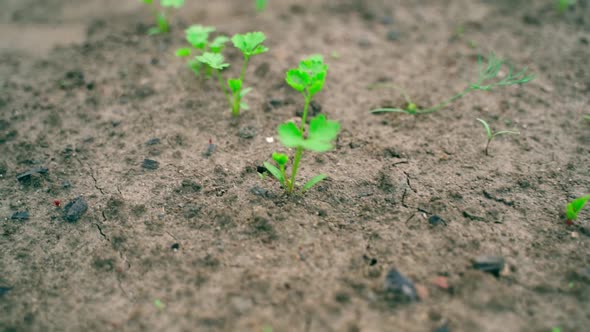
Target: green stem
[[488, 146], [446, 102], [305, 109], [220, 79], [243, 72], [298, 155], [285, 183]]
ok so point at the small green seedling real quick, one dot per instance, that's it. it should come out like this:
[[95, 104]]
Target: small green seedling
[[491, 135], [563, 5], [198, 38], [260, 5], [574, 207], [488, 80], [249, 44], [308, 79], [162, 24], [587, 117]]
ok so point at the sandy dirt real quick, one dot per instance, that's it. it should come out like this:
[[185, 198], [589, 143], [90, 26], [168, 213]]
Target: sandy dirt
[[202, 243]]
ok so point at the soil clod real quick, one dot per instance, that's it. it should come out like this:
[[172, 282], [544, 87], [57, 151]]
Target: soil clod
[[247, 132], [435, 220], [489, 264], [20, 215], [261, 192], [75, 209], [153, 141], [399, 285], [4, 290], [150, 164]]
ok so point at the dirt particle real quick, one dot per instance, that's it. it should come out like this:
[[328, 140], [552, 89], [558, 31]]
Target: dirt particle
[[31, 177], [191, 211], [263, 228], [188, 187], [104, 264], [152, 141]]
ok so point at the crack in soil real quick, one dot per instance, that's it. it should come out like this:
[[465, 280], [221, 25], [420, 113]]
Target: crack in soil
[[408, 182], [101, 232]]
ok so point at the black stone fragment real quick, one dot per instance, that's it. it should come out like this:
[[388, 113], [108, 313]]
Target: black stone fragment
[[435, 220], [20, 215], [75, 209], [489, 264], [261, 169], [26, 176], [150, 164], [4, 290], [402, 287], [175, 246], [153, 141]]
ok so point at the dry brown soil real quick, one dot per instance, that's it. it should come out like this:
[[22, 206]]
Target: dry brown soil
[[83, 88]]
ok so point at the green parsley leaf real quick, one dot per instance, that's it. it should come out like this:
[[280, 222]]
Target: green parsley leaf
[[250, 43], [198, 36], [213, 60], [172, 3]]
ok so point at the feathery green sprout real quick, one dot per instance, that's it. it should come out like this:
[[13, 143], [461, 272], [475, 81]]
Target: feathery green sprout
[[308, 79], [198, 38], [488, 79], [162, 24], [491, 135], [574, 207], [587, 117]]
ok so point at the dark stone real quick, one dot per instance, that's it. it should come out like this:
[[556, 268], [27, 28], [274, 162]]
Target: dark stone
[[175, 246], [261, 192], [443, 328], [435, 220], [72, 79], [397, 284], [191, 211], [20, 215], [150, 164], [276, 103], [392, 35], [210, 150], [75, 209], [153, 141], [489, 264], [66, 184], [4, 290], [364, 43], [386, 20], [188, 186], [115, 123], [247, 132], [25, 177], [531, 20]]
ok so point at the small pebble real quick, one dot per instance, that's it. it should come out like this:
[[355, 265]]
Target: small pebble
[[400, 285], [20, 215], [247, 132], [489, 264], [75, 209], [26, 176], [435, 220], [150, 164], [270, 139], [175, 247], [4, 290], [392, 35], [153, 141]]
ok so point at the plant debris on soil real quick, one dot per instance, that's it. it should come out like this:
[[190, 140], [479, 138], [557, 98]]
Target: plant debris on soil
[[167, 221]]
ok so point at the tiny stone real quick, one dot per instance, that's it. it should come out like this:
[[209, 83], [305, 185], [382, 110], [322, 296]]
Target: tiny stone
[[20, 215], [4, 290], [175, 246], [261, 192], [115, 123], [75, 209], [392, 35], [443, 328], [270, 139], [66, 184], [153, 141], [364, 43], [26, 176], [150, 164], [489, 264], [261, 169], [435, 220], [386, 20], [400, 285]]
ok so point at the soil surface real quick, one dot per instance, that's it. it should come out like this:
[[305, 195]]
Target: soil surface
[[161, 237]]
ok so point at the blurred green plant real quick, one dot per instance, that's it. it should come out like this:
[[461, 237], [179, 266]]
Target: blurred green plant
[[162, 23], [198, 38], [563, 5], [261, 5], [574, 207], [488, 79]]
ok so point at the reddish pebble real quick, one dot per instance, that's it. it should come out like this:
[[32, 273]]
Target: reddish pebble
[[57, 203], [569, 222], [441, 282]]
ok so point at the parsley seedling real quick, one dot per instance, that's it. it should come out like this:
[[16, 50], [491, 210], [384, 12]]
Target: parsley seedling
[[574, 207], [198, 38], [162, 24], [249, 44], [488, 80], [587, 117], [491, 135], [308, 79], [562, 5]]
